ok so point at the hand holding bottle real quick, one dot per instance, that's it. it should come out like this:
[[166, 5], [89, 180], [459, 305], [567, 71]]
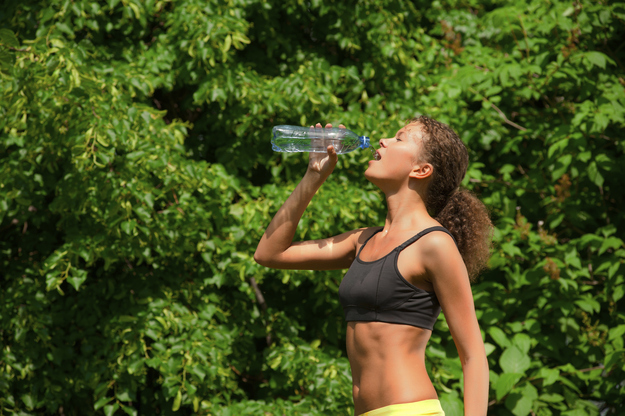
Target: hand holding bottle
[[323, 163]]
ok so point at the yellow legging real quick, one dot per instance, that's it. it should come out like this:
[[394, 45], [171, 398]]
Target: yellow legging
[[420, 408]]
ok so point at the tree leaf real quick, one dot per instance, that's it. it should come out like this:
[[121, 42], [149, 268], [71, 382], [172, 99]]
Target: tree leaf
[[77, 277], [110, 409], [596, 58], [594, 175], [514, 360], [101, 402], [523, 342], [8, 38], [506, 383], [28, 401], [499, 336], [520, 401], [177, 400], [549, 375]]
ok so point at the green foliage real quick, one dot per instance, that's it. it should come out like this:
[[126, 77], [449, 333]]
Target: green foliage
[[136, 178]]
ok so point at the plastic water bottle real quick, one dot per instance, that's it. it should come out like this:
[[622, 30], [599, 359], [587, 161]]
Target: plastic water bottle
[[307, 139]]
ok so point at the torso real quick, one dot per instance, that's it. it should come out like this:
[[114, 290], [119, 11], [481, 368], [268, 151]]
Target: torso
[[388, 360]]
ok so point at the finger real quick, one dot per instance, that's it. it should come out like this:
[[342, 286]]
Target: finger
[[341, 126], [328, 126], [332, 155], [318, 125]]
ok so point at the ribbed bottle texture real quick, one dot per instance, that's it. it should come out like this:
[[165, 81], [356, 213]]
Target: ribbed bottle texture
[[307, 139]]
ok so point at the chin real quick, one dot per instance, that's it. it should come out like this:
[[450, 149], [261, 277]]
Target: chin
[[371, 178]]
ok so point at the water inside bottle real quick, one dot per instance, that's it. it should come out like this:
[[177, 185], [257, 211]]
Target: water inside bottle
[[372, 149], [287, 144], [295, 144]]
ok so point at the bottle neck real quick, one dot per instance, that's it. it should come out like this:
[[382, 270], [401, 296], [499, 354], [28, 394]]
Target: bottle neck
[[364, 142]]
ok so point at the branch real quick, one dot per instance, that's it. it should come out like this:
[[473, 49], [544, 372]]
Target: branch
[[584, 370], [493, 106], [18, 50], [261, 302], [259, 295], [505, 119]]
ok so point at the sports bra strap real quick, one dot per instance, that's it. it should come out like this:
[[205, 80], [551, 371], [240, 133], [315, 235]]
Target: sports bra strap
[[424, 232], [367, 240]]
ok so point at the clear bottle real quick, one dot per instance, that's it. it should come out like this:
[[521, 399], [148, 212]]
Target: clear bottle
[[308, 139]]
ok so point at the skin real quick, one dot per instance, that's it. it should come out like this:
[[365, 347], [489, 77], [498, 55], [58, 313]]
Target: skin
[[388, 360]]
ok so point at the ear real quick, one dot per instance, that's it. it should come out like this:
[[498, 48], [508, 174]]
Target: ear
[[421, 171]]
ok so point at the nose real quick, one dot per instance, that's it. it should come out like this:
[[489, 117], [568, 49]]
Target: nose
[[383, 142]]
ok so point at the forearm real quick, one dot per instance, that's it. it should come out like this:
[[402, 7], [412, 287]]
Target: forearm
[[476, 377], [279, 234]]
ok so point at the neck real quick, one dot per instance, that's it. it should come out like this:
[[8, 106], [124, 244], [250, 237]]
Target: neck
[[406, 211]]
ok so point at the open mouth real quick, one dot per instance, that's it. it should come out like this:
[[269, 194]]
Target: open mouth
[[377, 156]]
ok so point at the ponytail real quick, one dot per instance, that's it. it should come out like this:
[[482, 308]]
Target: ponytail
[[467, 219], [458, 210]]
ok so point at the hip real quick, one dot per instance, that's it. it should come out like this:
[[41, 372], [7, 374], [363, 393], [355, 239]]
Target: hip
[[388, 386], [419, 408]]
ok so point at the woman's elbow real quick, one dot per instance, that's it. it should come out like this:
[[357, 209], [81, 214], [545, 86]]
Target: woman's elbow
[[258, 258], [477, 355], [263, 259]]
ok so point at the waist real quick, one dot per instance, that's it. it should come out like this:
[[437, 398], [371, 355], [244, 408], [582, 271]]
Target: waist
[[380, 383], [388, 364]]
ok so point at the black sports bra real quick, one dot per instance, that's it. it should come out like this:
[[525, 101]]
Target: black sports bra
[[376, 291]]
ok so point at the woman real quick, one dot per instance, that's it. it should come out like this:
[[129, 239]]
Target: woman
[[400, 275]]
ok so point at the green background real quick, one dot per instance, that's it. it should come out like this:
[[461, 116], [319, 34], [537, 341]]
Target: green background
[[136, 177]]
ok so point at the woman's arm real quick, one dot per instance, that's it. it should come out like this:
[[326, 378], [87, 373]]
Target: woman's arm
[[448, 275], [276, 248]]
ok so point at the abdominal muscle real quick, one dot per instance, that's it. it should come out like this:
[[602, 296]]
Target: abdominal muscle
[[388, 364]]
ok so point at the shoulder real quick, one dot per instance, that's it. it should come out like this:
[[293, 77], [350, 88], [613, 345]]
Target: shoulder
[[437, 240], [438, 248]]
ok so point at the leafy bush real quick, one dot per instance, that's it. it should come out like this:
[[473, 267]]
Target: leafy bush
[[136, 179]]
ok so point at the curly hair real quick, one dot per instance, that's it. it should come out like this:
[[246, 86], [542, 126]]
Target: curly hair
[[457, 209]]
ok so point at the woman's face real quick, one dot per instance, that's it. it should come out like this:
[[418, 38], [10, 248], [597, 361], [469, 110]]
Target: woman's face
[[397, 156]]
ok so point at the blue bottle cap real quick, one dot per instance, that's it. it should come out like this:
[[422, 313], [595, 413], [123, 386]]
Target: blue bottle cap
[[364, 142]]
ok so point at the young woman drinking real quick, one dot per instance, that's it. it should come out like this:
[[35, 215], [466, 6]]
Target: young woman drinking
[[434, 239]]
